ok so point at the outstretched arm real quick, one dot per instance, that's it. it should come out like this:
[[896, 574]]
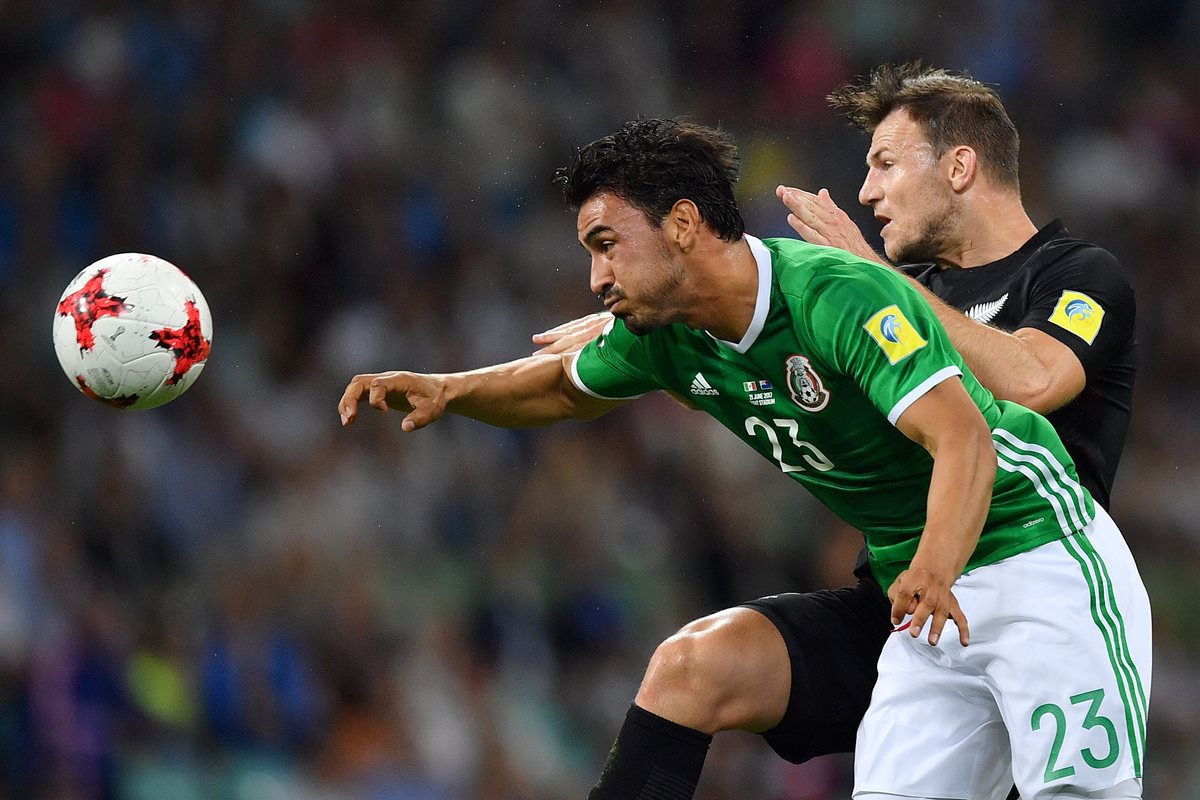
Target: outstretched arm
[[525, 393]]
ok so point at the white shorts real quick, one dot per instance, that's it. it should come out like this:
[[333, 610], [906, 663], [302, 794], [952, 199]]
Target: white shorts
[[1051, 693]]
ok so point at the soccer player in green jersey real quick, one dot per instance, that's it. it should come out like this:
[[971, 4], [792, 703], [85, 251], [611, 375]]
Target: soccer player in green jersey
[[942, 173], [837, 371]]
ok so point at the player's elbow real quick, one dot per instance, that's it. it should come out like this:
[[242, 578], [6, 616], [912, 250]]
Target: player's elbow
[[589, 410], [575, 404], [976, 461], [986, 456], [1038, 391], [975, 438]]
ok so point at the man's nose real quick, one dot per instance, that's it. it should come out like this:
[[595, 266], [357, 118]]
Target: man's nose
[[601, 277], [870, 193]]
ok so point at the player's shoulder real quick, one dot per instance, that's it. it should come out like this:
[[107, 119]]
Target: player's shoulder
[[1064, 253], [800, 266]]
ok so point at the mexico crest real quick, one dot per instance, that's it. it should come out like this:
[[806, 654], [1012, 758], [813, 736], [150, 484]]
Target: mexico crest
[[804, 384]]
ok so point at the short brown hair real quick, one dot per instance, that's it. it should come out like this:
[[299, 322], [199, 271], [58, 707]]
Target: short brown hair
[[952, 109]]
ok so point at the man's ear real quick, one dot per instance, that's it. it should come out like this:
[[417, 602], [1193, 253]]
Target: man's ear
[[682, 225], [962, 164]]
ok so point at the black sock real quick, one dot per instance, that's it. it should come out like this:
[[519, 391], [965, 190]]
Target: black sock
[[652, 759]]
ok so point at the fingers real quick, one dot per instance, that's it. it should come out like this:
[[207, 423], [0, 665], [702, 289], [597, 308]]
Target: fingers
[[806, 232], [926, 598], [919, 607], [903, 602], [940, 614], [421, 415], [377, 392], [960, 620], [574, 326], [947, 608], [792, 194], [348, 405], [798, 201], [572, 336], [374, 386], [805, 216], [568, 343], [407, 392]]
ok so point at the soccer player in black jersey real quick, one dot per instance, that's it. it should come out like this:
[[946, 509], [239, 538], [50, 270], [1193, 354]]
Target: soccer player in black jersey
[[1057, 312], [1039, 317]]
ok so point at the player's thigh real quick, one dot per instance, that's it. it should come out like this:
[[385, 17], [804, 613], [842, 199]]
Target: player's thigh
[[930, 731], [833, 639], [1075, 690]]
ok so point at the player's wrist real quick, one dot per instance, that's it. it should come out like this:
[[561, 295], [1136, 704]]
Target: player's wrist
[[449, 388], [942, 571]]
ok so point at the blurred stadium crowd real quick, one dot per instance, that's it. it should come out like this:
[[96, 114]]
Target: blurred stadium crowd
[[231, 597]]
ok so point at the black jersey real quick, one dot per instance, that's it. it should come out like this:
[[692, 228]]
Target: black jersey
[[1079, 294]]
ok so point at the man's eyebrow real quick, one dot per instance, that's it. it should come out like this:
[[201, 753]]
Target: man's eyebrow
[[595, 231]]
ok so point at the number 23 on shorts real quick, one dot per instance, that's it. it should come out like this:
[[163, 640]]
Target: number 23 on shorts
[[1091, 719]]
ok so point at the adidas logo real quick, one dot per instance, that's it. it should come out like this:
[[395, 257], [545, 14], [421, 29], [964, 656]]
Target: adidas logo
[[700, 385]]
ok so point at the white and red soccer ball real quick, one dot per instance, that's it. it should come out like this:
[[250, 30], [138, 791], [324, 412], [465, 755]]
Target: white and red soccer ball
[[132, 331]]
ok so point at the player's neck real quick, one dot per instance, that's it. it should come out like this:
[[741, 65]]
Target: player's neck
[[991, 230], [724, 289]]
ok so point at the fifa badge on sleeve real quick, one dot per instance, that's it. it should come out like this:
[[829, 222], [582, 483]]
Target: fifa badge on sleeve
[[1079, 314]]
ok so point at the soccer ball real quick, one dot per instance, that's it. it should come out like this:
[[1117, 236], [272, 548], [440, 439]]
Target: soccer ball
[[132, 331]]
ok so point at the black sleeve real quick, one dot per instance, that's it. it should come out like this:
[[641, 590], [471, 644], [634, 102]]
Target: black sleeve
[[1067, 295]]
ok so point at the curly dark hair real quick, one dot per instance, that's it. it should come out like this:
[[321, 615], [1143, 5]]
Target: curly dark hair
[[652, 164], [951, 108]]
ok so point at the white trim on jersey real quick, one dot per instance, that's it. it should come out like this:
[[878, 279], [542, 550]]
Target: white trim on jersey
[[762, 303], [920, 391], [1046, 494], [1055, 465], [1048, 476], [579, 384]]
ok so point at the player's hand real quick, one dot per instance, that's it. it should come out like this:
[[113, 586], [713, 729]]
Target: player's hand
[[819, 220], [571, 336], [927, 596], [422, 396]]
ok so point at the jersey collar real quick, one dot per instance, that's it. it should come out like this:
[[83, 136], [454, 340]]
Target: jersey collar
[[762, 257], [1051, 231], [1055, 229]]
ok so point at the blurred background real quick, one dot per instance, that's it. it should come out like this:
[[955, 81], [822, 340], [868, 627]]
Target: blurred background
[[231, 597]]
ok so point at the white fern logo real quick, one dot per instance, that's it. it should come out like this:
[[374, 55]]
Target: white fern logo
[[986, 312]]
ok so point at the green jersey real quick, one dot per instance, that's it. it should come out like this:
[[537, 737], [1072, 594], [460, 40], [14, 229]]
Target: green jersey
[[838, 348]]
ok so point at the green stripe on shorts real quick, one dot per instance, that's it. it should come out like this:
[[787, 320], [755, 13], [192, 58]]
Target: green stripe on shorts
[[1113, 632], [1139, 693]]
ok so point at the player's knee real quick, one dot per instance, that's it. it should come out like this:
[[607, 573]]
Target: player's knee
[[708, 675]]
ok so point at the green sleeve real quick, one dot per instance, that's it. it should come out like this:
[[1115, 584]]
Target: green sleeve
[[876, 329], [614, 366]]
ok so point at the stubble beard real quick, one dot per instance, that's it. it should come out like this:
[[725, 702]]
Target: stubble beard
[[933, 241], [658, 299]]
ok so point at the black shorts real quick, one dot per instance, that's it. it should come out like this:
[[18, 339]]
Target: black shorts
[[833, 638]]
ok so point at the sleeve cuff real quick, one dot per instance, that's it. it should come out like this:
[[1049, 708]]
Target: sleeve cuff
[[583, 387], [920, 391]]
